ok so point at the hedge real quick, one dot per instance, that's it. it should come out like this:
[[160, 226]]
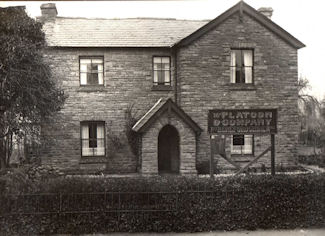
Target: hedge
[[247, 202], [318, 160]]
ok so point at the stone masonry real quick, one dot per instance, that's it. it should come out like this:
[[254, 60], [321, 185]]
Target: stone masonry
[[204, 84], [200, 81], [127, 82], [187, 146]]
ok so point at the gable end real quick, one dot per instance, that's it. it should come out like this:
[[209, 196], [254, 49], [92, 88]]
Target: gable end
[[242, 7]]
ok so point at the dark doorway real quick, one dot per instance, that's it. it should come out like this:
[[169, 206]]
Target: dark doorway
[[168, 150]]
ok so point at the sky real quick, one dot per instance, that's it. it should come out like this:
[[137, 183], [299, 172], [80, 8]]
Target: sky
[[304, 19]]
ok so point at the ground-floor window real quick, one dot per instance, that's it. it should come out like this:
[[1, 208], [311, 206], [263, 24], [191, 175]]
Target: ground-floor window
[[93, 138], [242, 144]]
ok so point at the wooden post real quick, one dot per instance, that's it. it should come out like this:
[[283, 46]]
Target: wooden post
[[272, 155], [212, 143]]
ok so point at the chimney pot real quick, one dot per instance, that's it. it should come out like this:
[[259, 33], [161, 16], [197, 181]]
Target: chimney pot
[[266, 11], [49, 10]]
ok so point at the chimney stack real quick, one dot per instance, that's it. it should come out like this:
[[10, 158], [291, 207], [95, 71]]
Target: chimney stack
[[266, 11], [48, 10]]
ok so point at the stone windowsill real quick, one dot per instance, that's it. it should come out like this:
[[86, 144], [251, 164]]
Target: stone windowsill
[[90, 160], [242, 87], [162, 88], [91, 88]]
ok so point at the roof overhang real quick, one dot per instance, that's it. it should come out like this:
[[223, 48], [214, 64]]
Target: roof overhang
[[242, 7], [156, 111]]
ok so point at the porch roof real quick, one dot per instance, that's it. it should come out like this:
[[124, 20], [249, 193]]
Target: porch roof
[[160, 107]]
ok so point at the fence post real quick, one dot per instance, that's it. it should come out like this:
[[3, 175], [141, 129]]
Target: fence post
[[60, 206], [119, 209], [272, 155]]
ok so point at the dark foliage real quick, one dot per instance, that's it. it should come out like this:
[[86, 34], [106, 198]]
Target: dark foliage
[[201, 204], [28, 91], [318, 160], [132, 136]]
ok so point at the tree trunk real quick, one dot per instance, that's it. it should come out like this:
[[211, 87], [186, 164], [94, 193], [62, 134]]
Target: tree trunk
[[2, 154], [315, 154]]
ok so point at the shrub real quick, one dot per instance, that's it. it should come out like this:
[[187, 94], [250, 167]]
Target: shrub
[[202, 204], [203, 168], [318, 160]]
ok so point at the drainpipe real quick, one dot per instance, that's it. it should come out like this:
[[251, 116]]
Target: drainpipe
[[174, 53]]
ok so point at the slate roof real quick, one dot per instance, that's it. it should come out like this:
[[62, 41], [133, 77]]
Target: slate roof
[[146, 32], [161, 106], [144, 119], [136, 32]]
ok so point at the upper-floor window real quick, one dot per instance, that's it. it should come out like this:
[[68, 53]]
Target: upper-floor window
[[242, 144], [241, 66], [161, 70], [91, 71], [93, 138]]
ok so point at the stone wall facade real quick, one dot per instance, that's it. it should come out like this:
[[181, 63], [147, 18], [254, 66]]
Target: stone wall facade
[[203, 83], [127, 82], [187, 145]]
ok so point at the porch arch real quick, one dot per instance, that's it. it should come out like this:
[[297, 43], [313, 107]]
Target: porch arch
[[168, 150]]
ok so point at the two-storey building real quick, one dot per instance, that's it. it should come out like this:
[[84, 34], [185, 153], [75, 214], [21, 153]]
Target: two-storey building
[[167, 74]]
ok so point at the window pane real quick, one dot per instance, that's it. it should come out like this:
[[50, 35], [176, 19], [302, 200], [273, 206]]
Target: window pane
[[239, 62], [233, 58], [161, 78], [93, 135], [100, 131], [86, 151], [84, 132], [94, 68], [248, 57], [238, 75], [167, 77], [248, 75], [155, 76], [83, 68], [248, 147], [157, 60], [100, 78], [242, 75], [100, 68], [238, 140], [232, 75], [165, 60], [97, 61], [236, 149], [83, 78], [92, 78], [85, 61]]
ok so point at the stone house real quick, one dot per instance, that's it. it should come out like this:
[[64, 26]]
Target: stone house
[[140, 90]]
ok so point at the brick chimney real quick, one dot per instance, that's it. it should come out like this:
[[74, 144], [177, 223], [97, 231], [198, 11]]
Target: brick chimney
[[266, 11], [48, 11]]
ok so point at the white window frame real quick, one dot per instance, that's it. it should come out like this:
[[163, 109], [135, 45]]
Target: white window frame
[[93, 142], [164, 73], [243, 73], [246, 149], [86, 72]]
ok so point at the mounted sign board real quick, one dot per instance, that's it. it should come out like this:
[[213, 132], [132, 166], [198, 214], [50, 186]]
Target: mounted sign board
[[243, 121]]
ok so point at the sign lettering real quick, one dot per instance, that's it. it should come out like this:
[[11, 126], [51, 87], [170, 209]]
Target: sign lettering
[[244, 121]]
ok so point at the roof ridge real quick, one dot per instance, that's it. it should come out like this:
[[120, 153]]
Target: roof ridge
[[130, 18]]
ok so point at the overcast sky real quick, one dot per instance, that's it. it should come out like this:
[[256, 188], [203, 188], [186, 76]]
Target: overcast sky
[[304, 19]]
